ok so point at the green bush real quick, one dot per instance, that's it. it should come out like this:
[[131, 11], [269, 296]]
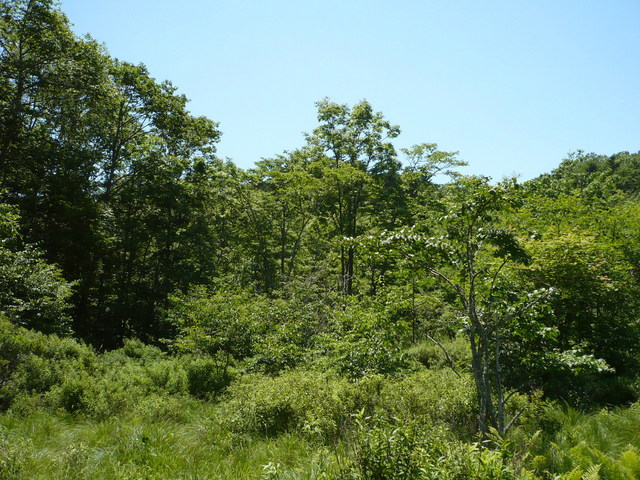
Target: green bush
[[369, 355], [206, 377], [62, 373], [438, 396], [308, 401], [31, 363], [431, 355], [71, 395], [156, 408], [123, 382], [282, 346], [219, 324], [137, 350], [324, 405], [33, 293], [391, 450]]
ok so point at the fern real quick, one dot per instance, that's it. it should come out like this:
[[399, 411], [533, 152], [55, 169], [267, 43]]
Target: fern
[[593, 473], [630, 460], [575, 474]]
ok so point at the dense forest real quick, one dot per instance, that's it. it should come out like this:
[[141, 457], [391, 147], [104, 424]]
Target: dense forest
[[346, 309]]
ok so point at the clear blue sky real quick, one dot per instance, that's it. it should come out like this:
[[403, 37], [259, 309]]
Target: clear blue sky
[[512, 85]]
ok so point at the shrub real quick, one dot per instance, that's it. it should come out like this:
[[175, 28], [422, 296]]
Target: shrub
[[124, 381], [162, 408], [62, 373], [206, 377], [368, 355], [431, 355], [32, 293], [220, 324], [439, 396], [281, 347], [32, 363], [305, 401], [383, 449], [324, 405], [137, 350], [71, 394]]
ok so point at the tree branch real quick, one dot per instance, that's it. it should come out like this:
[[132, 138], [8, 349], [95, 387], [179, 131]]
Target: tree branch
[[451, 364], [515, 417], [456, 287], [525, 307]]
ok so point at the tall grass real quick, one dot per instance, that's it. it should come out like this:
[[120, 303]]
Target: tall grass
[[51, 447]]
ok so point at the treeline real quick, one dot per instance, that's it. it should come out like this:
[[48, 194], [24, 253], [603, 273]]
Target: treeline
[[119, 185], [120, 222]]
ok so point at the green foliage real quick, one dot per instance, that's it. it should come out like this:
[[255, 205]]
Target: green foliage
[[33, 363], [289, 329], [366, 355], [589, 171], [364, 339], [576, 445], [322, 405], [32, 293], [221, 324], [358, 170], [328, 258], [413, 426], [432, 355], [205, 376], [471, 258], [590, 329], [60, 373], [296, 400], [439, 397], [11, 456], [265, 334], [160, 407], [107, 168], [388, 450]]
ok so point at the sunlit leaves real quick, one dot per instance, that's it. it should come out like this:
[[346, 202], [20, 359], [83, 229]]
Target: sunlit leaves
[[32, 293]]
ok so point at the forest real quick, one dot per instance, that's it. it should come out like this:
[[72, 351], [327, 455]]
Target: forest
[[345, 309]]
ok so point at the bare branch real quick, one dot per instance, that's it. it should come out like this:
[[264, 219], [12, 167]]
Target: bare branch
[[451, 364], [515, 417], [455, 286]]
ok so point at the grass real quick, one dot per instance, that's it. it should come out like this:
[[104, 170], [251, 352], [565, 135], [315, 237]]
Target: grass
[[50, 447], [149, 444]]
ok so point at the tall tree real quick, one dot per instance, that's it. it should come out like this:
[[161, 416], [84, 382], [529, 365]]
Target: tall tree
[[470, 256], [292, 192], [91, 151], [353, 148], [156, 164]]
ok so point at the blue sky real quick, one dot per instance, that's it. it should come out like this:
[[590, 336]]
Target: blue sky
[[514, 86]]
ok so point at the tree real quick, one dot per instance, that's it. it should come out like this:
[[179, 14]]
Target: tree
[[108, 170], [33, 294], [352, 150], [290, 196], [470, 258], [592, 317]]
